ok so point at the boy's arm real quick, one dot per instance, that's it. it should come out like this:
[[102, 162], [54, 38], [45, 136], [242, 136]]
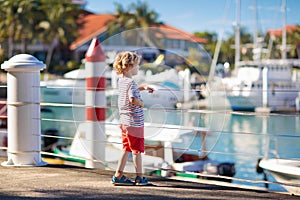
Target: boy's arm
[[145, 87], [135, 101]]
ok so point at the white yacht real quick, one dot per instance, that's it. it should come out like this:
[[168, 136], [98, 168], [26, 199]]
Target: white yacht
[[264, 83]]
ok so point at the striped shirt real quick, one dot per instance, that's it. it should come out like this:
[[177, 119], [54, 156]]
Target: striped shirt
[[130, 115]]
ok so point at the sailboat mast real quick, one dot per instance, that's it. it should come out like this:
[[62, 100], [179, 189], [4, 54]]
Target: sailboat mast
[[255, 25], [283, 50], [237, 34], [256, 47]]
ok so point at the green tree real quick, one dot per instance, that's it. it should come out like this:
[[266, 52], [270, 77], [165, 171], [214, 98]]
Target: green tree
[[247, 44], [121, 22], [19, 18], [293, 38], [50, 22], [275, 44], [211, 40], [145, 18], [227, 52], [137, 15], [59, 24]]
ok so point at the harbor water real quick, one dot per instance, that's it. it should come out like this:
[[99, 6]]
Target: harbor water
[[241, 138]]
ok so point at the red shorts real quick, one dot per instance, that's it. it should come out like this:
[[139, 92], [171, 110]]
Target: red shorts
[[133, 139]]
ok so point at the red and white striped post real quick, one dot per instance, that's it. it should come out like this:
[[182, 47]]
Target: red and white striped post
[[95, 101]]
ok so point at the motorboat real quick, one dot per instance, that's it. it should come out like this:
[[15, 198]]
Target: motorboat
[[285, 171], [68, 89]]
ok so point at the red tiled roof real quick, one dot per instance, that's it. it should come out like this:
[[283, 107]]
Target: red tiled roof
[[174, 33], [96, 24], [278, 32], [93, 26]]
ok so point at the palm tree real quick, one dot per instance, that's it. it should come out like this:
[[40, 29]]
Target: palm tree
[[136, 16], [8, 21], [145, 18], [121, 22], [211, 40], [59, 25], [25, 30], [17, 22]]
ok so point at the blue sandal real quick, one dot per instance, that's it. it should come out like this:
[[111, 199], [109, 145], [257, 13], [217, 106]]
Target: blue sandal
[[121, 181], [141, 181]]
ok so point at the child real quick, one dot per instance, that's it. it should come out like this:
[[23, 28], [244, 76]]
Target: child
[[131, 117]]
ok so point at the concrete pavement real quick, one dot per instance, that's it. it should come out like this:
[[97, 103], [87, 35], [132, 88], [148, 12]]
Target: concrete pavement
[[69, 182]]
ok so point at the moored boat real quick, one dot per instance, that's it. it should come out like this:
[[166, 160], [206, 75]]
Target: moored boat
[[285, 171], [251, 89], [71, 89]]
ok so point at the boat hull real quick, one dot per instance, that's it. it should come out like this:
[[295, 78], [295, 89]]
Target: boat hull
[[276, 101], [284, 171]]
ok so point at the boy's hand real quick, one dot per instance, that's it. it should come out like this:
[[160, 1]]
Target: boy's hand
[[150, 89]]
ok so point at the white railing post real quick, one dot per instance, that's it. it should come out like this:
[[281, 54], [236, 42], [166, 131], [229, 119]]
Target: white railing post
[[23, 110]]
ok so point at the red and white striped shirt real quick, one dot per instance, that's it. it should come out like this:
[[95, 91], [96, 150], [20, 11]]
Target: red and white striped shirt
[[130, 115]]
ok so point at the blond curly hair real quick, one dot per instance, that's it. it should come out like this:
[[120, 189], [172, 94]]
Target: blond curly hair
[[125, 61]]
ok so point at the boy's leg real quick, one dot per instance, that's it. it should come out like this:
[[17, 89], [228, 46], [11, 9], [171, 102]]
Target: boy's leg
[[121, 164], [137, 160], [139, 179]]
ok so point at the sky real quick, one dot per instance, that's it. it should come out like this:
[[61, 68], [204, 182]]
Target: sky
[[217, 16]]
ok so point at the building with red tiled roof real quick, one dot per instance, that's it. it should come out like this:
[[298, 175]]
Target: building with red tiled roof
[[278, 32], [170, 38]]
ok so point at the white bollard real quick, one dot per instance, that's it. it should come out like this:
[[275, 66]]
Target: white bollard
[[23, 110]]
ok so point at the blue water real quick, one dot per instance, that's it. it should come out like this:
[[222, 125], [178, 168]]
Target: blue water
[[241, 139]]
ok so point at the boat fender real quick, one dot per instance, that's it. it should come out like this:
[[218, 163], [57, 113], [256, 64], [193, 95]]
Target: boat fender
[[259, 170], [226, 169], [49, 139], [167, 171], [46, 110]]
